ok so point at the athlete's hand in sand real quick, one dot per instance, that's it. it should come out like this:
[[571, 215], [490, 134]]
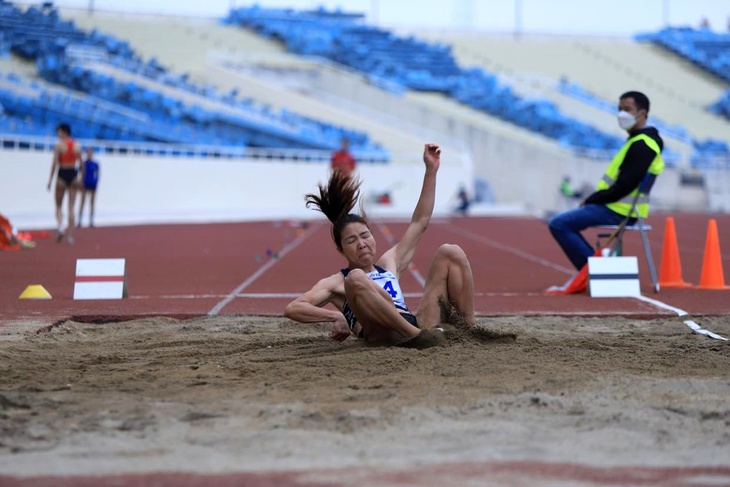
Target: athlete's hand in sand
[[340, 330], [432, 156]]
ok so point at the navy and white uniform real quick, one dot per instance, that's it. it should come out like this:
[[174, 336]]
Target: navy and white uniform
[[389, 282]]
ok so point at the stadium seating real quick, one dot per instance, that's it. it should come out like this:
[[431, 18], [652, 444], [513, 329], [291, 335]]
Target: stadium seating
[[43, 108], [705, 48], [63, 55], [710, 51], [722, 106], [711, 154], [397, 63]]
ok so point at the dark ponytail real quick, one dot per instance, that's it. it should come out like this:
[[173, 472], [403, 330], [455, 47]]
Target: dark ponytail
[[336, 200]]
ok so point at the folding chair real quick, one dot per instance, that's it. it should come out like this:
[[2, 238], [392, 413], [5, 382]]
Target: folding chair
[[640, 225]]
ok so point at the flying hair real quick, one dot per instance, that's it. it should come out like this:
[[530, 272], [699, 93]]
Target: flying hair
[[336, 200]]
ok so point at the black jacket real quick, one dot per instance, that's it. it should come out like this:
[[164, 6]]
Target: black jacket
[[632, 171]]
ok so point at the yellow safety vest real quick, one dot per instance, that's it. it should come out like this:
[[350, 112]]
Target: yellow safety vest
[[623, 206]]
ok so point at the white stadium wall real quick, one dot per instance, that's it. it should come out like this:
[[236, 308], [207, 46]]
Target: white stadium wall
[[139, 189]]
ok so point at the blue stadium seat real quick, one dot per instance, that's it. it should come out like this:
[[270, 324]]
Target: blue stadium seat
[[38, 34]]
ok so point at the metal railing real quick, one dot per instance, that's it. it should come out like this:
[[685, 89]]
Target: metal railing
[[128, 148]]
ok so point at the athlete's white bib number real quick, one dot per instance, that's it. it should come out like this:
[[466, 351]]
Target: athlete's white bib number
[[389, 289]]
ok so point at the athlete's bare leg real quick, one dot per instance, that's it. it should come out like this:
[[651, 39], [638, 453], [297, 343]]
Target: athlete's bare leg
[[73, 189], [373, 306], [451, 279], [81, 207], [91, 207], [59, 193]]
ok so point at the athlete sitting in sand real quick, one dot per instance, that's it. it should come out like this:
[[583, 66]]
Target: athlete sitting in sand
[[366, 293]]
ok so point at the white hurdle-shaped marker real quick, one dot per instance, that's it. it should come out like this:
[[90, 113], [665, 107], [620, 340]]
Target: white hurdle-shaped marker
[[613, 277], [100, 279]]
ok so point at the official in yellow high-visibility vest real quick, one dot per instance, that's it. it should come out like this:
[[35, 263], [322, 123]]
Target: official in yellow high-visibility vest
[[612, 201]]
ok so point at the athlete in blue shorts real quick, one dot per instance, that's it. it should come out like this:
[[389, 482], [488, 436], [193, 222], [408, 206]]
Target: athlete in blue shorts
[[90, 177], [366, 294]]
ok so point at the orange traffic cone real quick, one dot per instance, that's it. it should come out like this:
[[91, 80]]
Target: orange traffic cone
[[670, 274], [712, 276]]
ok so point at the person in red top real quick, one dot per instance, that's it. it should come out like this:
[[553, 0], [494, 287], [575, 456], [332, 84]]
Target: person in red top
[[342, 160], [66, 155]]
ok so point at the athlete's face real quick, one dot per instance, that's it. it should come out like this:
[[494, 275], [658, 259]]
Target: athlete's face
[[358, 245]]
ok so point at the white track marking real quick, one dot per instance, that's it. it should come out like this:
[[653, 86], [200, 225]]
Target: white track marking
[[680, 312], [297, 294], [268, 265], [236, 293], [691, 324], [512, 250]]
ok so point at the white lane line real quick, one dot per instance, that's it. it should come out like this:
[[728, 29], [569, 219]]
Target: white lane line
[[392, 241], [268, 265], [511, 250], [296, 295], [696, 328]]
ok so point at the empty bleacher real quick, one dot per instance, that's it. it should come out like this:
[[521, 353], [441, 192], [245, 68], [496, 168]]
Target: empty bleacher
[[584, 76], [709, 51], [183, 111], [405, 62], [218, 56]]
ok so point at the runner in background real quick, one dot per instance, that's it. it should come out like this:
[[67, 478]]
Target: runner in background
[[66, 153]]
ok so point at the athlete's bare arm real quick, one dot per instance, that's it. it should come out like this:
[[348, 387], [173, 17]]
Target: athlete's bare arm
[[309, 307], [398, 258]]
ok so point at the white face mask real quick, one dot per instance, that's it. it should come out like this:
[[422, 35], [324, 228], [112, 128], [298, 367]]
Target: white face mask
[[626, 120]]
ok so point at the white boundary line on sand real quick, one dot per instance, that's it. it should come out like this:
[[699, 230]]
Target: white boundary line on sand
[[268, 265], [696, 328], [680, 312]]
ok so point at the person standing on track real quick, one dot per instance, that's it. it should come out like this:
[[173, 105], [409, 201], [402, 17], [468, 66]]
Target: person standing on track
[[367, 296], [90, 179], [66, 153], [342, 160]]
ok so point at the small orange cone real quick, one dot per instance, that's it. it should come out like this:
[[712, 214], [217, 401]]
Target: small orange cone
[[577, 284], [712, 276], [670, 274]]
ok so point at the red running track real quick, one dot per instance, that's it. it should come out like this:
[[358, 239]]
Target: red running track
[[194, 270], [508, 473]]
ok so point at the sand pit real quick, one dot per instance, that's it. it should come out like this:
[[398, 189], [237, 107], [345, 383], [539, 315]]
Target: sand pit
[[250, 393]]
